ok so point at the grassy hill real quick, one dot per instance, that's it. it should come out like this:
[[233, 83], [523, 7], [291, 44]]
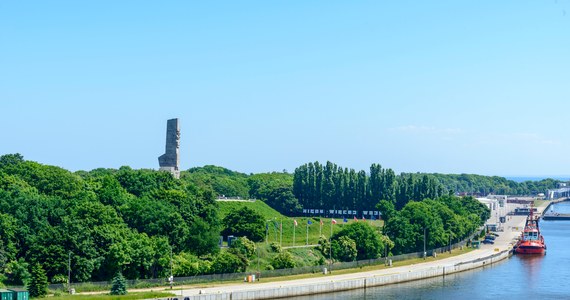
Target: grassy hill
[[274, 220], [228, 205]]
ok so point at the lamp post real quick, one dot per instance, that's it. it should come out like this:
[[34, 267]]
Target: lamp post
[[69, 272], [171, 278], [425, 253]]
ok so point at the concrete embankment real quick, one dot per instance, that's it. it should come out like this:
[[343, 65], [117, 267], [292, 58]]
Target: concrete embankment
[[404, 274], [486, 255]]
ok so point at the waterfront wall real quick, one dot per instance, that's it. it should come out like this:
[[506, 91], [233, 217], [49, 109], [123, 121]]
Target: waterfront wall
[[359, 283]]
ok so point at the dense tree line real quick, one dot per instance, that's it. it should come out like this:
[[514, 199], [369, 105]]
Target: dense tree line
[[105, 220], [330, 186], [484, 185]]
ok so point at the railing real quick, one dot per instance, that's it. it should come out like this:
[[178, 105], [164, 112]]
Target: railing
[[143, 283]]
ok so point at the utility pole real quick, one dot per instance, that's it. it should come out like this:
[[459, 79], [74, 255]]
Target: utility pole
[[307, 241], [425, 253], [171, 278], [69, 272]]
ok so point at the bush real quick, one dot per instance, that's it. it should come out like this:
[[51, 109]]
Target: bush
[[283, 260], [186, 264], [227, 262], [243, 246], [119, 285], [59, 278], [275, 247], [38, 284], [324, 245]]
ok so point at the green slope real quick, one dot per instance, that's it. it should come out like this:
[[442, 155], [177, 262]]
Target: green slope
[[259, 206]]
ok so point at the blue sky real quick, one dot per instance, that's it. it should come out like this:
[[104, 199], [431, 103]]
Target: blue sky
[[417, 86]]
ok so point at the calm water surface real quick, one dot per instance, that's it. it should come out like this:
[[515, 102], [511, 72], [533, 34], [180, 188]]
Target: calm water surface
[[521, 277]]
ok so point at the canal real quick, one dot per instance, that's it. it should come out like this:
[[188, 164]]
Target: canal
[[520, 277]]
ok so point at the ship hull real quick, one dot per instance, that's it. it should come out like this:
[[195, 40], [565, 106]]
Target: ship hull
[[534, 248]]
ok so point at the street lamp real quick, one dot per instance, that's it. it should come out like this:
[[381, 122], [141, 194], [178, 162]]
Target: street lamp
[[425, 253], [69, 272], [450, 242], [171, 278]]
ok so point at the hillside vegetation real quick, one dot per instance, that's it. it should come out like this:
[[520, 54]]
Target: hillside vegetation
[[133, 221]]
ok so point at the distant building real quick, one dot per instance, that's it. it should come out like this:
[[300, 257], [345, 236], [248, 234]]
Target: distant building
[[558, 193]]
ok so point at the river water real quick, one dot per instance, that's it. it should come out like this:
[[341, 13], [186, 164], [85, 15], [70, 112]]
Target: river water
[[520, 277]]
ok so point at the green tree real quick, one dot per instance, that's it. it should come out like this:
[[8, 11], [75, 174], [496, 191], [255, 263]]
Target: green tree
[[283, 200], [245, 222], [344, 249], [119, 286], [38, 286], [367, 239], [387, 209], [17, 272]]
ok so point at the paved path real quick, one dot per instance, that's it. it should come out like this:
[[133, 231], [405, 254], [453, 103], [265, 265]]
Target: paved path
[[505, 240]]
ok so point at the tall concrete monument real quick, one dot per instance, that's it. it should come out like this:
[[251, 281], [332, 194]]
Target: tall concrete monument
[[170, 160]]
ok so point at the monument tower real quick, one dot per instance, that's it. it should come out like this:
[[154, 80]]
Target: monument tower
[[170, 160]]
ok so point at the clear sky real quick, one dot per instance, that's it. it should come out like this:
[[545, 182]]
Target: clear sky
[[417, 86]]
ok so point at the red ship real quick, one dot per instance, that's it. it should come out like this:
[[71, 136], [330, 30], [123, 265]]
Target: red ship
[[531, 241]]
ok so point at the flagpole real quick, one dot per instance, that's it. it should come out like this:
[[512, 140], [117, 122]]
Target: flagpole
[[307, 242], [281, 233], [294, 229], [321, 229]]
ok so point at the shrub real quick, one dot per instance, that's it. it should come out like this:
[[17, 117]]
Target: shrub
[[275, 247], [186, 264], [283, 260], [243, 246], [324, 245], [119, 285], [59, 278], [227, 262]]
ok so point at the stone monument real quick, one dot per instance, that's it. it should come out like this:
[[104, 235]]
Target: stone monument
[[170, 160]]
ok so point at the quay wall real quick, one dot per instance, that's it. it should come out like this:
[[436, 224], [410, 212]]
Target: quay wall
[[359, 283]]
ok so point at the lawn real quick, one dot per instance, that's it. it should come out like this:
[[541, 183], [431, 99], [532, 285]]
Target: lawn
[[259, 206], [129, 296], [297, 235]]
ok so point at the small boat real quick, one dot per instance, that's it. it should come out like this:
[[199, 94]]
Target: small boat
[[531, 241]]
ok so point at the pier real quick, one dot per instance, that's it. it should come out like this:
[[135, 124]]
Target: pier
[[553, 216], [556, 217]]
